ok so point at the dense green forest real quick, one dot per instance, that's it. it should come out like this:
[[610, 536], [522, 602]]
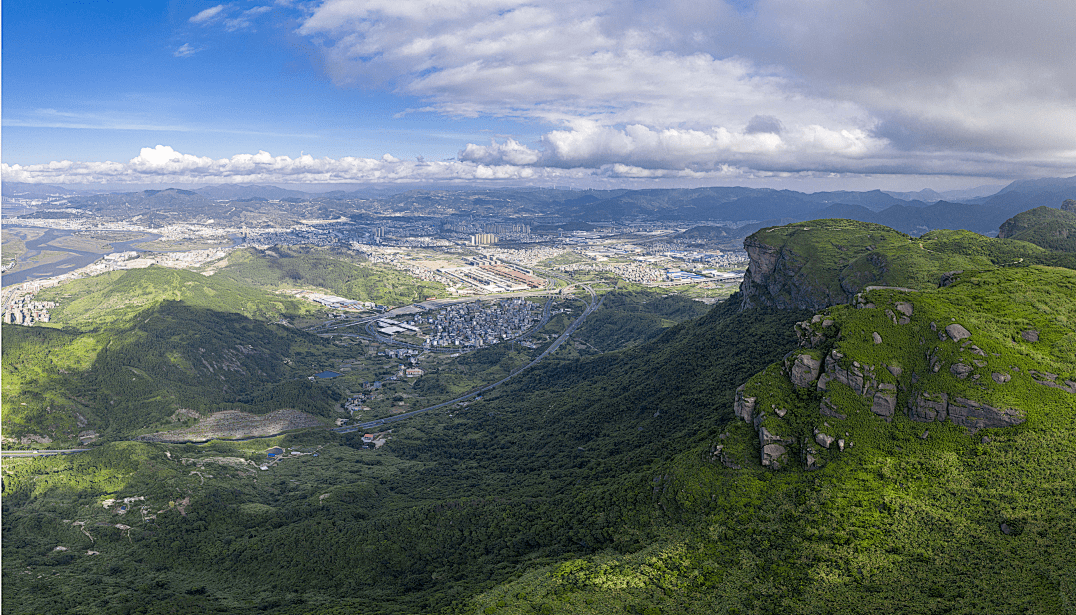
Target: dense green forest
[[629, 318], [134, 375], [543, 469]]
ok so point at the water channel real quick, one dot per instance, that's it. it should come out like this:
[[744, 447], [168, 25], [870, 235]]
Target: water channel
[[75, 259]]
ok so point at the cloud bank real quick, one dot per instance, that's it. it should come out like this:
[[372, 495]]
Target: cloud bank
[[680, 89], [894, 86]]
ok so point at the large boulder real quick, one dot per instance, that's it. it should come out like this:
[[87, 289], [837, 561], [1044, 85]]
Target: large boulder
[[804, 369], [774, 449], [957, 332], [744, 406], [884, 403]]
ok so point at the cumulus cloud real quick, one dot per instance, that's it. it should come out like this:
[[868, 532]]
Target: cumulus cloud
[[163, 164], [764, 123], [208, 14], [901, 85]]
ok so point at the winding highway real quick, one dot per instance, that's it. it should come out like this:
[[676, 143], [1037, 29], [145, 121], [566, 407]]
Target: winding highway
[[42, 453], [592, 305]]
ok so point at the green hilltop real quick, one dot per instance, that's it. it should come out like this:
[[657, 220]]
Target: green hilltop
[[342, 274], [810, 265], [1053, 229], [156, 370], [119, 295]]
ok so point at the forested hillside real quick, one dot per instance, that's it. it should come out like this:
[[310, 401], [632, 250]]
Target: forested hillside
[[887, 450]]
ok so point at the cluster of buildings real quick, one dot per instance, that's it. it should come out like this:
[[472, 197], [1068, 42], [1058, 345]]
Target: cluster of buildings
[[25, 312], [479, 324], [337, 303], [632, 272], [483, 239], [499, 228], [490, 276]]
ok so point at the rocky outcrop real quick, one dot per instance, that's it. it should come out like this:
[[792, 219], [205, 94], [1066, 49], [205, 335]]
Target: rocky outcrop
[[803, 369], [774, 449], [775, 277], [744, 407], [974, 415], [957, 332], [884, 402]]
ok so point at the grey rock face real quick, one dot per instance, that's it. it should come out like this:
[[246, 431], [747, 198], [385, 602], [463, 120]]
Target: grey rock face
[[744, 406], [824, 440], [977, 415], [804, 370], [928, 407], [957, 332], [876, 337], [885, 401], [904, 308], [1031, 335], [775, 277], [852, 377], [826, 408], [774, 451], [1000, 378], [949, 277], [774, 456], [960, 370]]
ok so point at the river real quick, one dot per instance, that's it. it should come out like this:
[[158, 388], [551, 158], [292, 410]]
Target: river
[[75, 259]]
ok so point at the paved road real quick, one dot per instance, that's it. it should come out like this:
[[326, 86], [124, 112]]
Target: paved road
[[42, 453], [593, 305]]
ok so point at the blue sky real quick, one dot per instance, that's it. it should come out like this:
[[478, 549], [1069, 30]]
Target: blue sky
[[897, 94]]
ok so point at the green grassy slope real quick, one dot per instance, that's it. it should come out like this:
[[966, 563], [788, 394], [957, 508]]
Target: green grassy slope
[[118, 295], [824, 262], [304, 267], [897, 522], [1050, 228], [630, 318]]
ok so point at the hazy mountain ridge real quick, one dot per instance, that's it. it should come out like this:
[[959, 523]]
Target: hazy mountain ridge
[[251, 203]]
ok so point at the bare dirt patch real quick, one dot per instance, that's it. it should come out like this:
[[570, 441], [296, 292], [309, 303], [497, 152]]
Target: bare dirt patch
[[231, 424]]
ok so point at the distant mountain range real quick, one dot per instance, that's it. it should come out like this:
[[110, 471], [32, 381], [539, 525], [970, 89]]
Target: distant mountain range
[[913, 213]]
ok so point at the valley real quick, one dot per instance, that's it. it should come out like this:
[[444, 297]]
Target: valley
[[857, 419]]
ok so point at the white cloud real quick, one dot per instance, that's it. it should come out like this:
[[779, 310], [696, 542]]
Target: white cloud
[[208, 14], [896, 86], [185, 50], [245, 19], [510, 152], [163, 164]]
